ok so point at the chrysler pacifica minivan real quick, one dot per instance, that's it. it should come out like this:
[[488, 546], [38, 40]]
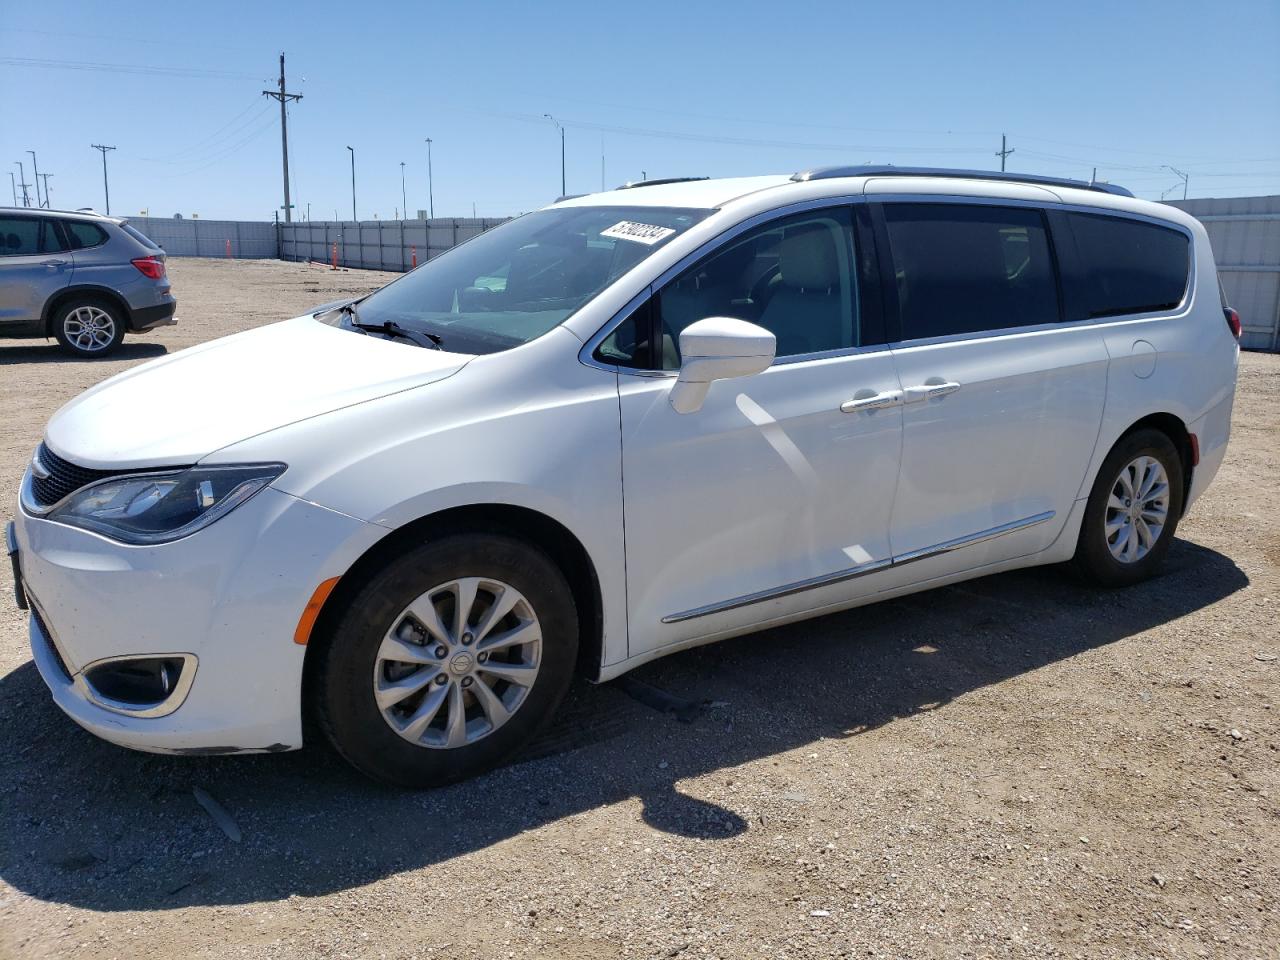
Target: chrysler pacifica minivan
[[621, 426]]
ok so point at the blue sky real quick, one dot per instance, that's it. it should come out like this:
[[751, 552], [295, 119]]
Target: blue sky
[[665, 88]]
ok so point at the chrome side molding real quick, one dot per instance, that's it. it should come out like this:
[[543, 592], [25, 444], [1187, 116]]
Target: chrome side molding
[[861, 570]]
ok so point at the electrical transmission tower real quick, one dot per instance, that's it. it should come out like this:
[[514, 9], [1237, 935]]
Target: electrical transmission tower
[[284, 98]]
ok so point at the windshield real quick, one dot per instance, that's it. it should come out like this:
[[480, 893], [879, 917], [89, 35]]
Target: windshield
[[517, 281]]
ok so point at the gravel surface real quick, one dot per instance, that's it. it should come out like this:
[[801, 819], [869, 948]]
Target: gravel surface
[[1016, 766]]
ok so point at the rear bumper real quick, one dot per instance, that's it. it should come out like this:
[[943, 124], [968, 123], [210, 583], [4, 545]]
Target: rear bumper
[[148, 318]]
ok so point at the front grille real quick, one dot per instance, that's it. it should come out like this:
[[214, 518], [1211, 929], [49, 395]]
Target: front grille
[[63, 477]]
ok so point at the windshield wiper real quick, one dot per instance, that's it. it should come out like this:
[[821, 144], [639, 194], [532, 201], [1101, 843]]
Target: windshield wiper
[[392, 329]]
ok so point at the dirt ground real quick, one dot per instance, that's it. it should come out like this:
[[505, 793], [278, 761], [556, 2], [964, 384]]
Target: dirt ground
[[1016, 766]]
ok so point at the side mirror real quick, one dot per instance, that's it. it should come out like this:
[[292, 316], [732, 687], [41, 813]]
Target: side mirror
[[718, 348]]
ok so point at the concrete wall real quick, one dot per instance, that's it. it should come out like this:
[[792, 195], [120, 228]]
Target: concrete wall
[[248, 239], [378, 244], [1245, 234]]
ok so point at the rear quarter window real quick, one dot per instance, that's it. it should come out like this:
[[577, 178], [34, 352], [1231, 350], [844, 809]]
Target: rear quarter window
[[83, 235], [141, 237], [1130, 266]]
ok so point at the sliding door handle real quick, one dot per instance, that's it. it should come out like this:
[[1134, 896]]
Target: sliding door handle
[[866, 400], [930, 390]]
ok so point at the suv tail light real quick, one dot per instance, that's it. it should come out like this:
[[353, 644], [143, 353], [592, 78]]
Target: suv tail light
[[1233, 321], [150, 267]]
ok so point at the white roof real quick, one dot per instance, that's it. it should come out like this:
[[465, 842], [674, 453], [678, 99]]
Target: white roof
[[702, 194]]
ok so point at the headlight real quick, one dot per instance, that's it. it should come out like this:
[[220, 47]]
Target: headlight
[[158, 507]]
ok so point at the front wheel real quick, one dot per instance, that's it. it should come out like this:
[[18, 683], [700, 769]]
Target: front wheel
[[448, 660], [88, 328], [1133, 511]]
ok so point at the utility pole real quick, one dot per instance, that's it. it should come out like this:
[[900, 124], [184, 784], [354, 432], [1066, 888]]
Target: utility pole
[[22, 182], [431, 196], [105, 189], [284, 134], [404, 204], [563, 191], [353, 184], [45, 177], [1185, 179], [36, 173], [1003, 152]]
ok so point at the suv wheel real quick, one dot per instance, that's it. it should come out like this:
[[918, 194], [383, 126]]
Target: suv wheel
[[447, 660], [1133, 511], [88, 328]]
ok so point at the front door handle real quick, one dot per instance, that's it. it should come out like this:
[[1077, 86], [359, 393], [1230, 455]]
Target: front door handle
[[54, 263], [931, 389], [866, 400]]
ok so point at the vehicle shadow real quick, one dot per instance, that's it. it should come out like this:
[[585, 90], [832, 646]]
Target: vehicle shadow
[[89, 824], [50, 352]]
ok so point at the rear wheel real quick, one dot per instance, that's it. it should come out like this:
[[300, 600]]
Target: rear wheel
[[89, 327], [1133, 511], [448, 660]]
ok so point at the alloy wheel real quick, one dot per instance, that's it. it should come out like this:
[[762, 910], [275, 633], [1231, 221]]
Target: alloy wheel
[[89, 329], [457, 663], [1137, 509]]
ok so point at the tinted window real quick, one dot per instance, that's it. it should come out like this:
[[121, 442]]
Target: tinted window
[[793, 277], [1130, 266], [962, 268], [19, 236], [629, 343], [82, 235], [523, 278], [140, 237]]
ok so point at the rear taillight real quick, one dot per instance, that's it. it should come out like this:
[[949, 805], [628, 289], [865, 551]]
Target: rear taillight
[[150, 267], [1233, 321]]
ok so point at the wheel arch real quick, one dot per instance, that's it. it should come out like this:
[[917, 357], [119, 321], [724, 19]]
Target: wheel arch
[[84, 290], [1176, 430], [531, 526]]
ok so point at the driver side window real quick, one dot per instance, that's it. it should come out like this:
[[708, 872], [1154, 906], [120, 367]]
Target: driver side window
[[794, 277]]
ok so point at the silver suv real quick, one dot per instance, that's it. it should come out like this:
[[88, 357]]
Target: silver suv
[[80, 277]]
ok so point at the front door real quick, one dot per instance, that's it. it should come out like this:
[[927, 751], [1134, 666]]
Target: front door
[[1003, 400], [775, 496], [32, 268]]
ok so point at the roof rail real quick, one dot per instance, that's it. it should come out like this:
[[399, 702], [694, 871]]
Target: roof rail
[[632, 184], [831, 173]]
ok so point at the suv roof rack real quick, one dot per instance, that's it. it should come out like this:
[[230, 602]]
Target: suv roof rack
[[633, 184], [831, 173]]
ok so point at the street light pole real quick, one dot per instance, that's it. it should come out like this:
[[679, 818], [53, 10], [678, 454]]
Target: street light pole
[[14, 185], [404, 204], [36, 174], [353, 183], [563, 191], [431, 197]]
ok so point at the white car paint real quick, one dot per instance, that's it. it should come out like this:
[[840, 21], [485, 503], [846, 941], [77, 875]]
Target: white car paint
[[767, 480]]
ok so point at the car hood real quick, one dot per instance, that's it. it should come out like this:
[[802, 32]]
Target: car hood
[[180, 408]]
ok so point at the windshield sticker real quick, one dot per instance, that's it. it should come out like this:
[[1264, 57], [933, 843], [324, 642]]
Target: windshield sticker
[[646, 233]]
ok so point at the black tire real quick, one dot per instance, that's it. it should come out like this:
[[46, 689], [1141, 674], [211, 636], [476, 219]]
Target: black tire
[[1093, 558], [345, 704], [77, 339]]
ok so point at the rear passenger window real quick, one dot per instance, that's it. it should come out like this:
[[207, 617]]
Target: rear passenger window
[[84, 235], [963, 268], [1130, 266]]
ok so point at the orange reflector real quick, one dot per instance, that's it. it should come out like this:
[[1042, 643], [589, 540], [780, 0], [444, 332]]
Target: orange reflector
[[312, 610]]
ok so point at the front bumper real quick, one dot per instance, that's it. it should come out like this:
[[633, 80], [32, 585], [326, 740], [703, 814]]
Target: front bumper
[[229, 596]]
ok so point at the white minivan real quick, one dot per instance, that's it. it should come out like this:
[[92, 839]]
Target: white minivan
[[618, 427]]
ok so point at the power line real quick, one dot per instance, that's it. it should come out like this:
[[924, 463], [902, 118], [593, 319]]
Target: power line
[[232, 127], [151, 71]]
